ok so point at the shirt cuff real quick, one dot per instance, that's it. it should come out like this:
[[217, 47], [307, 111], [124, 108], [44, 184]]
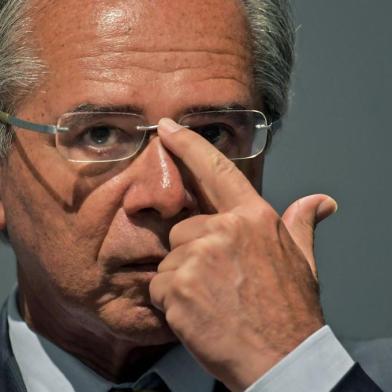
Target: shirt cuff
[[317, 364]]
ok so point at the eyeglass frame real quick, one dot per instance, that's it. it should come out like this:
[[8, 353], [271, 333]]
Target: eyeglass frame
[[8, 119]]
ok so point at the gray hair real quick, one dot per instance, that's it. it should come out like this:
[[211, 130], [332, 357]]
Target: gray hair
[[273, 38], [272, 34], [20, 69]]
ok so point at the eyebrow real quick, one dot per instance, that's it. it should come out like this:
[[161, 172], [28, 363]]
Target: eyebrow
[[210, 108], [92, 108]]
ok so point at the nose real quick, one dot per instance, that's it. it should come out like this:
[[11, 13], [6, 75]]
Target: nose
[[157, 184]]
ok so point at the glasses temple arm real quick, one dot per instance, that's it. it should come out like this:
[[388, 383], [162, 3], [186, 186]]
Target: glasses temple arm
[[17, 122]]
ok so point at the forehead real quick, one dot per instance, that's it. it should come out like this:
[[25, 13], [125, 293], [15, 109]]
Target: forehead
[[133, 41], [145, 19]]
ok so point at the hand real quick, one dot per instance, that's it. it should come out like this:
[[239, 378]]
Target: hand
[[237, 287]]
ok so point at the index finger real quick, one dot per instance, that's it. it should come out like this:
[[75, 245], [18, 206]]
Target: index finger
[[224, 185]]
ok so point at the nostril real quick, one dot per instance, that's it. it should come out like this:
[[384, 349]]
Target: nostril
[[148, 211]]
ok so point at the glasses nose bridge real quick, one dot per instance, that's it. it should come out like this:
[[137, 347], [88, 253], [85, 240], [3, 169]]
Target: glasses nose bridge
[[147, 128], [153, 128], [148, 133]]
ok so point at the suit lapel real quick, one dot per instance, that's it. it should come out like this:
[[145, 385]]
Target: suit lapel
[[356, 380], [10, 377]]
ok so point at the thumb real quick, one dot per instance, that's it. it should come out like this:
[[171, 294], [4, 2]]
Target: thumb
[[301, 219]]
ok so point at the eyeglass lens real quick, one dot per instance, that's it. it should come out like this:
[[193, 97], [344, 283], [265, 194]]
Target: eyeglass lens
[[97, 137]]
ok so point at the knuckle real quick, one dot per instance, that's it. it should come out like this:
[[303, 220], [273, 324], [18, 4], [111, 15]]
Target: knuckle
[[226, 222], [162, 267], [264, 214], [156, 294], [184, 284], [171, 316], [153, 285], [199, 249], [233, 220], [173, 234], [236, 226], [222, 166]]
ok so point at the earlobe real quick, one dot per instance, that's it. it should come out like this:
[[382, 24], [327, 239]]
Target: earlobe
[[2, 210], [2, 216]]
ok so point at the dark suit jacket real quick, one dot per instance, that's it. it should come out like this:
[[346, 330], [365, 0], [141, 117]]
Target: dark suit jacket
[[11, 380]]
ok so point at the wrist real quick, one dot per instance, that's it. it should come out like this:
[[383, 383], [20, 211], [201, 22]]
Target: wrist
[[254, 360]]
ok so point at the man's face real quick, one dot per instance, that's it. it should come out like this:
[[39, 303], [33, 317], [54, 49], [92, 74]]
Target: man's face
[[88, 240]]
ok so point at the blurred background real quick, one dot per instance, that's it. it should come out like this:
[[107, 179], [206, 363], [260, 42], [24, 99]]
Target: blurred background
[[336, 140]]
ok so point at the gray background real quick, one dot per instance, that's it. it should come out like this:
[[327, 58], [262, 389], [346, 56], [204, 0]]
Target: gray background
[[336, 140]]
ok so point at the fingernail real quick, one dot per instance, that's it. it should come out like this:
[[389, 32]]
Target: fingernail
[[326, 208], [168, 125]]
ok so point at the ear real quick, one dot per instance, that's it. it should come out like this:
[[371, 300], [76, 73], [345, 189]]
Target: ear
[[2, 211], [2, 217]]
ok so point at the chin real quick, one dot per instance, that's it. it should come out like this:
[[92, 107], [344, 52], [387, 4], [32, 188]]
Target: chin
[[142, 325]]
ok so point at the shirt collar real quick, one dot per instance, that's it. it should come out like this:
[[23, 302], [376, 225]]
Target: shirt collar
[[45, 367]]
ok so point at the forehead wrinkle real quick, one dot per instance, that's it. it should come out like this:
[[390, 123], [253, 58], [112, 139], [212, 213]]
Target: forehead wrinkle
[[163, 62], [110, 79], [108, 58], [172, 50], [112, 48], [180, 74], [154, 49], [196, 42]]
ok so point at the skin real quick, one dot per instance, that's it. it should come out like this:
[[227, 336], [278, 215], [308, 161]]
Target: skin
[[238, 274], [89, 242]]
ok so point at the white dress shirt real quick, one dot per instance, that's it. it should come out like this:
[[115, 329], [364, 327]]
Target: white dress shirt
[[315, 365], [47, 368]]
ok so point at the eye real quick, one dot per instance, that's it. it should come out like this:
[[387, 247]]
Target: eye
[[100, 136], [216, 133]]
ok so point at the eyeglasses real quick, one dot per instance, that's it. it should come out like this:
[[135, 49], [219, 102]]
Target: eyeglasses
[[110, 136]]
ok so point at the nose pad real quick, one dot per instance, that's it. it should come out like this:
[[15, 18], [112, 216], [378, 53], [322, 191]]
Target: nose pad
[[157, 183]]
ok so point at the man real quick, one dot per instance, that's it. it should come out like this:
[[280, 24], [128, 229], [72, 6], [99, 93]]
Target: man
[[146, 259]]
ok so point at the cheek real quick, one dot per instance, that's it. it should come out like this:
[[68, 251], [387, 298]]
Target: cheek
[[52, 240]]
